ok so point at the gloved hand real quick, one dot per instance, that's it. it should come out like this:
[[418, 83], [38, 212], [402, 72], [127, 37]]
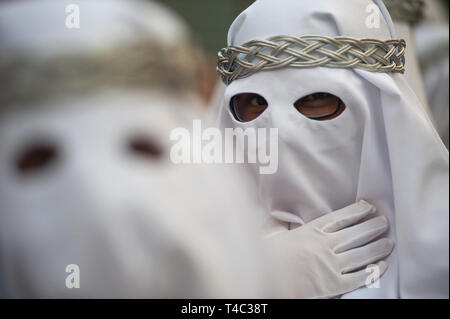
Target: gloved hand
[[327, 257]]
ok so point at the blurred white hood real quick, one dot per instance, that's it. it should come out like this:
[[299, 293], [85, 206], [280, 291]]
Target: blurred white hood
[[98, 189]]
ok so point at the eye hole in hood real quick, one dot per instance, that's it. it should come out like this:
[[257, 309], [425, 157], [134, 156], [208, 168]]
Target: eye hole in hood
[[36, 157], [320, 106], [246, 107], [145, 147]]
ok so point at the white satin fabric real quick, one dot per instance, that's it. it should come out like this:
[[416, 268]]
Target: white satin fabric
[[382, 148]]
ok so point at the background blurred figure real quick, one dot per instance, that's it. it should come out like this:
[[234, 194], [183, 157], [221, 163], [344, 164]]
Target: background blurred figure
[[424, 25], [85, 176], [431, 39]]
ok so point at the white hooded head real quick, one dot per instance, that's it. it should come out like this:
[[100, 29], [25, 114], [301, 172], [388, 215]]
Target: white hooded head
[[381, 148], [86, 177]]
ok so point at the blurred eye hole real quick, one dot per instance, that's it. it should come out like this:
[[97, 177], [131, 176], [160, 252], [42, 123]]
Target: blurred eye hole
[[320, 106], [246, 107], [145, 147], [36, 157]]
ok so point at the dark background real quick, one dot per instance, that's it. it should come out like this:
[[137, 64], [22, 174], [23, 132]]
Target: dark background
[[209, 19]]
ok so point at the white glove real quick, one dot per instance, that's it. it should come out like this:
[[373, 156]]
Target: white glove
[[327, 256]]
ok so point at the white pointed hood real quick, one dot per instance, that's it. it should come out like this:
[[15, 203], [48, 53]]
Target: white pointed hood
[[382, 148]]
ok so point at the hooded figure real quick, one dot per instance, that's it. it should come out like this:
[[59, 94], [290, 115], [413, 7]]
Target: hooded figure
[[90, 205], [405, 14], [432, 41], [375, 142]]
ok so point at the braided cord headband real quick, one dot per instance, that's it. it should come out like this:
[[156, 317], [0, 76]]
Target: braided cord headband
[[140, 64], [236, 62]]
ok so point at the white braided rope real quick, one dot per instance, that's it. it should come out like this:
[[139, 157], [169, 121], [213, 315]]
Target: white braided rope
[[237, 62]]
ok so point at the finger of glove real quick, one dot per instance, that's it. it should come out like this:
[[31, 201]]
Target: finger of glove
[[364, 277], [345, 217], [362, 256], [359, 234]]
